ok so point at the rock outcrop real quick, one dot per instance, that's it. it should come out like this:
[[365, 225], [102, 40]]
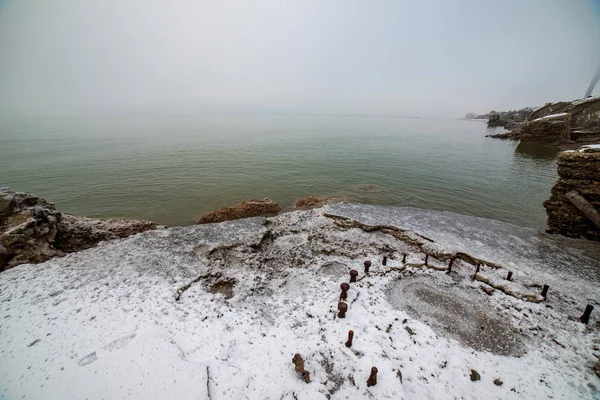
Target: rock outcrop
[[552, 130], [584, 112], [506, 119], [80, 233], [246, 209], [583, 125], [512, 135], [33, 231], [313, 202], [533, 126], [579, 171]]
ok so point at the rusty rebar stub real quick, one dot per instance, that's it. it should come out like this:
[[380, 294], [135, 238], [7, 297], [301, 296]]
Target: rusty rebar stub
[[344, 295], [350, 337], [353, 275], [372, 381], [306, 376], [299, 363], [299, 367], [367, 266], [450, 265], [384, 261], [404, 258], [509, 276], [545, 291], [585, 318], [476, 271], [342, 308]]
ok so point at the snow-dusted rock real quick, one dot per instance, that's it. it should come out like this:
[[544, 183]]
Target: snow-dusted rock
[[33, 231]]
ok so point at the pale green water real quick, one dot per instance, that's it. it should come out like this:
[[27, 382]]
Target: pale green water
[[172, 170]]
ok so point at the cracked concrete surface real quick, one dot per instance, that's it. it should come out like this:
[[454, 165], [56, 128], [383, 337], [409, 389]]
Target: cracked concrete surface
[[257, 291]]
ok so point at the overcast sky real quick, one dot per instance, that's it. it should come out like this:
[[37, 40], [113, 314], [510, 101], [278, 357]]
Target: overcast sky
[[180, 57]]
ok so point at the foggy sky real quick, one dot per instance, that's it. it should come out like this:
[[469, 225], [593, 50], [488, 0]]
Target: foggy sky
[[75, 58]]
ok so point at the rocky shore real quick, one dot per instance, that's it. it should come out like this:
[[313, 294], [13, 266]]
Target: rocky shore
[[554, 124], [246, 209], [33, 231], [306, 203]]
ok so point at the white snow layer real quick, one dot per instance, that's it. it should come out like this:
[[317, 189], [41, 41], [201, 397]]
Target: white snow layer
[[105, 323], [551, 116], [586, 100], [590, 148]]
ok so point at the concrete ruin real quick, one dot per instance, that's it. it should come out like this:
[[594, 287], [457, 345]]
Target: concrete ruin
[[575, 197], [555, 124], [33, 231], [563, 123], [552, 130]]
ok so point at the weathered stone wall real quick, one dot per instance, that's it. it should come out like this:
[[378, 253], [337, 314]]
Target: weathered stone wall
[[585, 113], [549, 109], [551, 130], [545, 128], [579, 171]]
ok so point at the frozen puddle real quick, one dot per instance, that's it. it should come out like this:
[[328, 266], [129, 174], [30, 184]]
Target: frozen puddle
[[462, 313]]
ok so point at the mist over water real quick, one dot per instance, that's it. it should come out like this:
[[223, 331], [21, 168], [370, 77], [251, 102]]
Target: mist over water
[[171, 170], [163, 111], [428, 58]]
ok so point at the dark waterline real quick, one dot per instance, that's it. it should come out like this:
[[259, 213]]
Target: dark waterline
[[171, 170]]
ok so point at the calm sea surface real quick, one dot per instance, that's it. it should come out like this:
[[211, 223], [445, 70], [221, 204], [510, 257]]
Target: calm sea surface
[[172, 170]]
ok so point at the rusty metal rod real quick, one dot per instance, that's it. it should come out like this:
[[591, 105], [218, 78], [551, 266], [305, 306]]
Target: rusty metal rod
[[372, 381], [545, 290], [350, 337], [585, 318]]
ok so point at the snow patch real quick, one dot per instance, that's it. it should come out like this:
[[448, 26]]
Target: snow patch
[[551, 116], [590, 148]]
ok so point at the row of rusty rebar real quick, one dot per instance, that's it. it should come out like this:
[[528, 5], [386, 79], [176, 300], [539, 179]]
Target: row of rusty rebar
[[343, 308], [585, 318]]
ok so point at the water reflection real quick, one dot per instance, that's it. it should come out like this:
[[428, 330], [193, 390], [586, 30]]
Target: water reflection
[[536, 151]]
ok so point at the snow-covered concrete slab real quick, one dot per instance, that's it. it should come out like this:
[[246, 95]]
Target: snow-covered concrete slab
[[218, 311]]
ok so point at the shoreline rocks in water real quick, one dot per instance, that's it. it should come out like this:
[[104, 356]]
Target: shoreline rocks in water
[[33, 231], [246, 209], [579, 171], [314, 202], [512, 135]]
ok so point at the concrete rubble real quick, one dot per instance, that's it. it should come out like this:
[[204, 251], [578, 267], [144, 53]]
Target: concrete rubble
[[33, 231], [579, 171]]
